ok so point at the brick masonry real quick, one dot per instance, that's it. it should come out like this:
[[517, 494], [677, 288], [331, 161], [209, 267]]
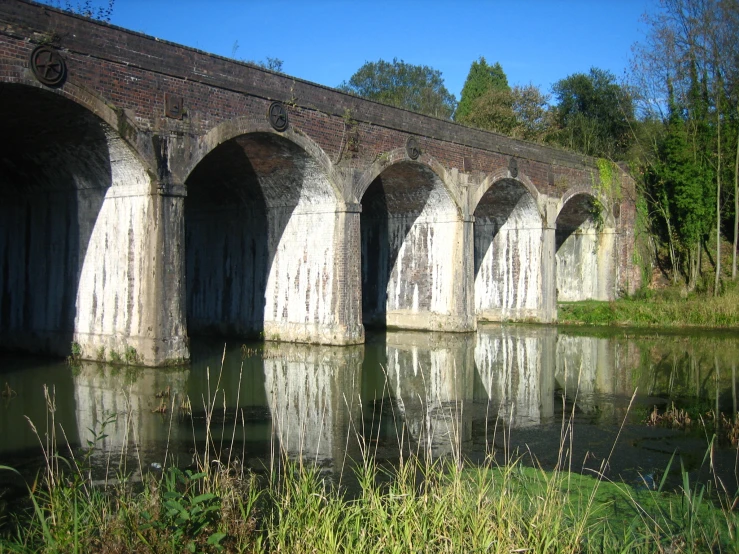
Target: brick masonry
[[336, 147]]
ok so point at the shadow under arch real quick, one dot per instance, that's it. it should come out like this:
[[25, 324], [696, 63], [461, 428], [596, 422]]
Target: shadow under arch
[[241, 198], [401, 210], [507, 251], [54, 176], [584, 250], [576, 208], [241, 126]]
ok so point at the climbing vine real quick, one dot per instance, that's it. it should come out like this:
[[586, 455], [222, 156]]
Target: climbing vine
[[607, 190]]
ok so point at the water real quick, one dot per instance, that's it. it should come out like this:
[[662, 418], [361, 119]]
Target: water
[[542, 393]]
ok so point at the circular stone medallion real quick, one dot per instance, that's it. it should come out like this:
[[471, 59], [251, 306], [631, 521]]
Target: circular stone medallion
[[277, 116], [48, 66], [412, 148]]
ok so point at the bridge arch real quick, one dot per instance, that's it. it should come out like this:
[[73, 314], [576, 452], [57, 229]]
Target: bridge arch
[[74, 201], [399, 155], [242, 126], [116, 119], [262, 221], [503, 174], [508, 235], [585, 246], [411, 246]]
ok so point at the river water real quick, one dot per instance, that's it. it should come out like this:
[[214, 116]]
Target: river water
[[544, 394]]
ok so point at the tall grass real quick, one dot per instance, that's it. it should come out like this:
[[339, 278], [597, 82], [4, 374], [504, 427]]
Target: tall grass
[[419, 505]]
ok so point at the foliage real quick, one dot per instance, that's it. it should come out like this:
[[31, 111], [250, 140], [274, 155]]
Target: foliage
[[481, 80], [688, 79], [492, 111], [593, 113], [656, 310], [418, 88], [184, 513], [533, 117], [87, 8]]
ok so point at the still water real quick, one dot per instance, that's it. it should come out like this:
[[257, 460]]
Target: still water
[[545, 394]]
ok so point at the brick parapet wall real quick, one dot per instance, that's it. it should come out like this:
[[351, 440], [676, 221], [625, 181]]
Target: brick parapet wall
[[131, 72]]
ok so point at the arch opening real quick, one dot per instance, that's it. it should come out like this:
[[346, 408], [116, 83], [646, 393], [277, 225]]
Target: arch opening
[[55, 173], [256, 223], [409, 228], [507, 253], [584, 252]]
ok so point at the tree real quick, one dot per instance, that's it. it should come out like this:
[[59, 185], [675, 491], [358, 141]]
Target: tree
[[684, 186], [533, 117], [483, 79], [693, 42], [418, 88], [593, 113], [493, 111]]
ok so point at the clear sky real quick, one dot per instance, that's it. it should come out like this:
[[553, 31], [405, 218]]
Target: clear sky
[[326, 41]]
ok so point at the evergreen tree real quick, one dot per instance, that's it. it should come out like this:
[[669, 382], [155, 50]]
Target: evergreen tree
[[481, 80]]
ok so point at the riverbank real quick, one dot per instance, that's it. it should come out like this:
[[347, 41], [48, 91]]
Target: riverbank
[[667, 308], [418, 506]]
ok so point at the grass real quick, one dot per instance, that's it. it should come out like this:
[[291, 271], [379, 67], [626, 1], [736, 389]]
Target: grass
[[418, 505], [668, 308]]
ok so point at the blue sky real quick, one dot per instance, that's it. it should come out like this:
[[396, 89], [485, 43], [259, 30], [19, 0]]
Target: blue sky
[[326, 41]]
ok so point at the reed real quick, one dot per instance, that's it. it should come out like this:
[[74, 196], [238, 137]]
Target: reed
[[419, 505]]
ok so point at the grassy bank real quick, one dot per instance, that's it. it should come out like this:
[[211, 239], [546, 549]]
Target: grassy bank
[[418, 507], [669, 308]]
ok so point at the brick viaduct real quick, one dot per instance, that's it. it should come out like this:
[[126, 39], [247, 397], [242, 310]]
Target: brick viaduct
[[150, 191]]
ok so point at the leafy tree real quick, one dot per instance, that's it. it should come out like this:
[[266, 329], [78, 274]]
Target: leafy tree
[[533, 117], [492, 111], [483, 79], [593, 113], [694, 43], [418, 88], [685, 187]]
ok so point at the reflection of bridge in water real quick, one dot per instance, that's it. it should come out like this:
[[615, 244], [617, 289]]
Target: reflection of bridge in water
[[435, 393]]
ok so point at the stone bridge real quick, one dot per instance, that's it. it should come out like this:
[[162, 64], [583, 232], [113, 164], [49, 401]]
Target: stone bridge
[[149, 192]]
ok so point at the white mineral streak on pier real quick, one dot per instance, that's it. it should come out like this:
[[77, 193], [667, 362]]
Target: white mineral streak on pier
[[508, 254]]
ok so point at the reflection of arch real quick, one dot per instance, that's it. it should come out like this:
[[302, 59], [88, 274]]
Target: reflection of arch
[[71, 274], [507, 250], [241, 126], [408, 224]]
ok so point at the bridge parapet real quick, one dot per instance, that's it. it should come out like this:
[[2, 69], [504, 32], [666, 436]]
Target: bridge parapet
[[272, 206]]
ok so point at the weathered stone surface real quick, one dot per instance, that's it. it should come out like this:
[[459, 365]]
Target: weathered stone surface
[[123, 229]]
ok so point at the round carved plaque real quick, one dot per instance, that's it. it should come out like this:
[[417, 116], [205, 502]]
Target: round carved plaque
[[278, 116], [412, 148], [513, 167], [48, 66]]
